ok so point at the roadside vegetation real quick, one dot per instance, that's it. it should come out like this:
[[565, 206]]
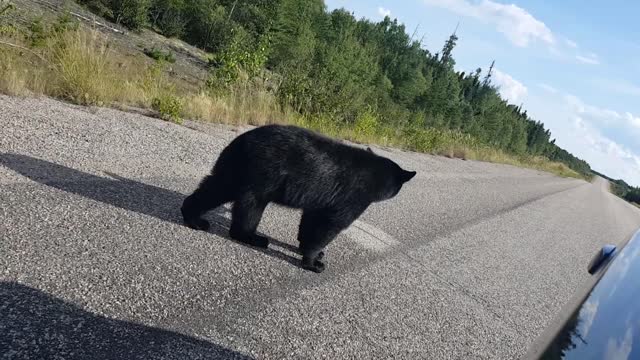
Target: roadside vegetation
[[285, 61], [623, 190]]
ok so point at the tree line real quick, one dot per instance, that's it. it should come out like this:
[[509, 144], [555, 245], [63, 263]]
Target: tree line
[[622, 189], [333, 64]]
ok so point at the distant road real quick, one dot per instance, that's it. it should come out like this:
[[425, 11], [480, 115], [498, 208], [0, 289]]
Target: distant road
[[471, 260]]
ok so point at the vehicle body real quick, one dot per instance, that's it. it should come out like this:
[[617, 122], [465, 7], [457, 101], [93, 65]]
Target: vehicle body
[[602, 322]]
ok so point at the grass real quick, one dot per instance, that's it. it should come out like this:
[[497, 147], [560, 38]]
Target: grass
[[159, 55], [244, 102], [447, 143], [22, 71], [78, 65]]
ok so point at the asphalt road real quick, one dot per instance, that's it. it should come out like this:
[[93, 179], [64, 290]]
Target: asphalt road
[[471, 260]]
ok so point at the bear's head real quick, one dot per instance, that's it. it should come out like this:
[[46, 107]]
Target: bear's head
[[394, 178]]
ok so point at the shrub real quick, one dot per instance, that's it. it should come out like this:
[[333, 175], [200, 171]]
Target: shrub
[[366, 125], [208, 26], [65, 23], [169, 107], [99, 7], [168, 17], [131, 13], [159, 55], [37, 33]]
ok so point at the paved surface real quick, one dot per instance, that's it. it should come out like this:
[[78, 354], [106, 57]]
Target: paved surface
[[471, 260]]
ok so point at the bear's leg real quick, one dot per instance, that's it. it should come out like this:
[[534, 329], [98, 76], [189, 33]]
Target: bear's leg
[[319, 227], [317, 230], [247, 212], [210, 194]]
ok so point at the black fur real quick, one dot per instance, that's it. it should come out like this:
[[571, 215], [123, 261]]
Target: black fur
[[332, 182]]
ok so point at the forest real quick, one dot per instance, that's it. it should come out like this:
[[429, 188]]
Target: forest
[[333, 64]]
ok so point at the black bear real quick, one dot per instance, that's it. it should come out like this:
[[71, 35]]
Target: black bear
[[333, 183]]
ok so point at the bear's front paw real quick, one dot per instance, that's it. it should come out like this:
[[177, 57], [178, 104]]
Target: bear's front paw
[[316, 266]]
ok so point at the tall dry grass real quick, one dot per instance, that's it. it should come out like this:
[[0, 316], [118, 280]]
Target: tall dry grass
[[22, 71], [245, 102], [89, 71], [81, 67]]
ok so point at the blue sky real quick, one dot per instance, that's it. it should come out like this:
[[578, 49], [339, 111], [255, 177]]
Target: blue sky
[[575, 65]]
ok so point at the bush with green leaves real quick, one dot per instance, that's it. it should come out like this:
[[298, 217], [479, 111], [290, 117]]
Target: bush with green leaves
[[243, 55], [366, 124], [168, 16], [169, 107], [208, 26], [39, 32], [133, 14], [159, 55]]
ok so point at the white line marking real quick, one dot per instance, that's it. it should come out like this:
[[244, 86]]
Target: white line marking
[[370, 236]]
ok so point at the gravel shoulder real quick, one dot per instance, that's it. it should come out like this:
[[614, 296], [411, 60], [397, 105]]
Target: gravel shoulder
[[471, 260]]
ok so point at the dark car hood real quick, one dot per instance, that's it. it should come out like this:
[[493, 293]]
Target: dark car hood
[[606, 325]]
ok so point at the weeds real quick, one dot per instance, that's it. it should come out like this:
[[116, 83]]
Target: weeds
[[37, 33], [159, 55], [169, 107]]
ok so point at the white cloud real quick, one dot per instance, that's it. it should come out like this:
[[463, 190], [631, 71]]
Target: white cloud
[[588, 314], [520, 27], [549, 88], [603, 116], [580, 129], [571, 43], [632, 119], [383, 12], [602, 153], [620, 350], [590, 59], [510, 89]]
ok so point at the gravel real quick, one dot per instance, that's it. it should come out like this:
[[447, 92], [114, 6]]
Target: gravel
[[471, 260]]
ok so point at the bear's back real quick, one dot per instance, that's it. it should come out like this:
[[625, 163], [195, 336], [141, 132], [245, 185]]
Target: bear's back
[[306, 168]]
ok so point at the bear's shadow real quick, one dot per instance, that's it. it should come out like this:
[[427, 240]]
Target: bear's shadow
[[129, 195]]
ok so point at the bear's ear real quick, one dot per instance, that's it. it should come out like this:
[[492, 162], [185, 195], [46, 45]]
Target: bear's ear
[[369, 150], [407, 175]]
